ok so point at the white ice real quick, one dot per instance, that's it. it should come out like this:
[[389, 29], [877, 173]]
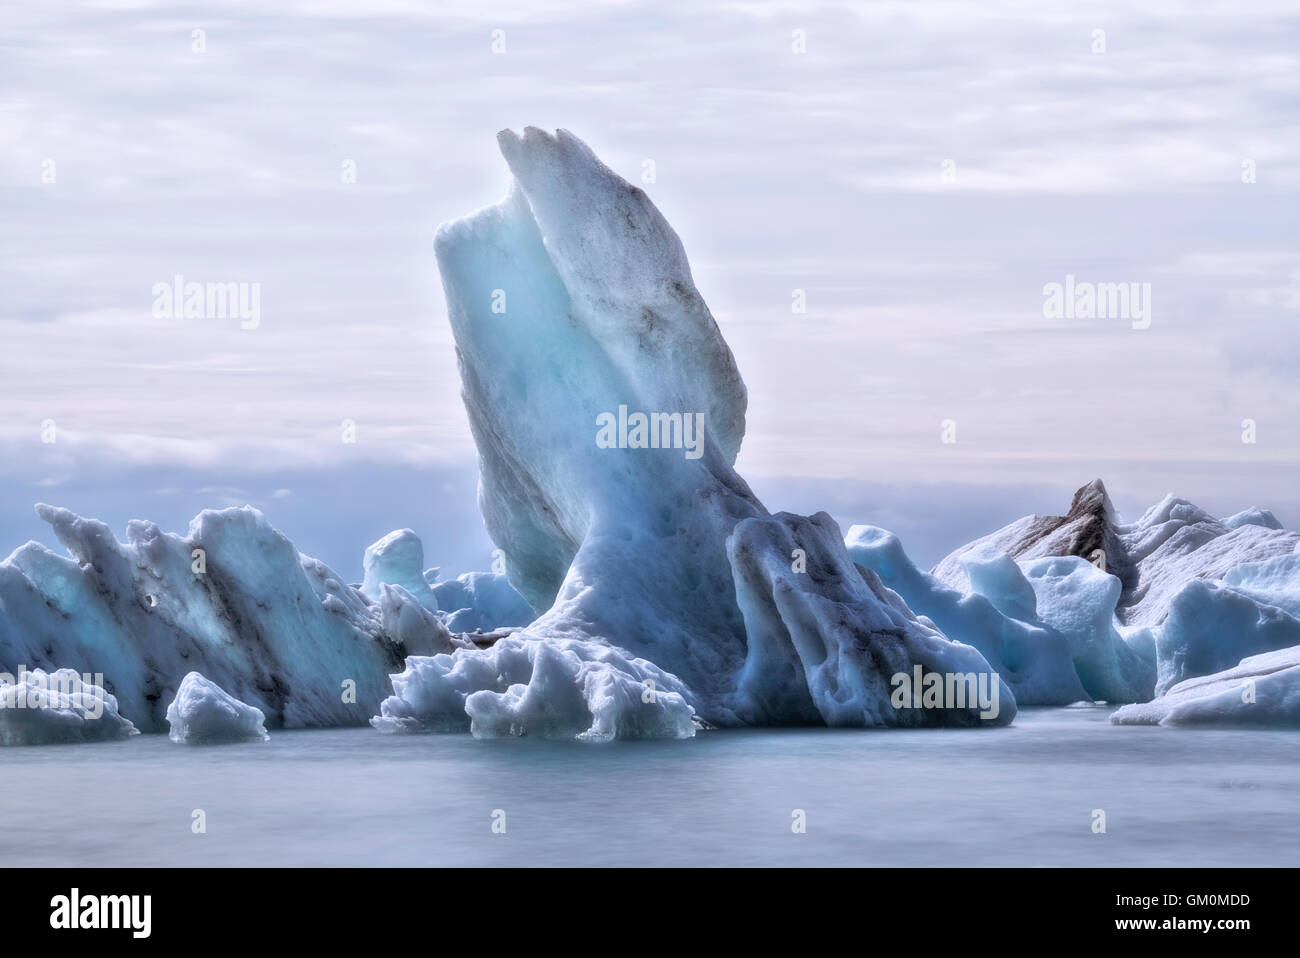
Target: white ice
[[1262, 691], [40, 708], [203, 714], [1170, 544], [546, 688]]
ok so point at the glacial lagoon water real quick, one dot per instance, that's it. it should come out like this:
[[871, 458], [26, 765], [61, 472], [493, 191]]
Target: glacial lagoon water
[[1023, 795]]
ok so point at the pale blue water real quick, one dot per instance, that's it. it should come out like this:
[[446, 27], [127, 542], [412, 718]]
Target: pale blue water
[[1017, 796]]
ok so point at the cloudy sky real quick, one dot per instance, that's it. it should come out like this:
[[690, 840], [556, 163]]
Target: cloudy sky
[[920, 170]]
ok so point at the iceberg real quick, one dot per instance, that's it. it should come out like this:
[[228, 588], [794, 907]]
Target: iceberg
[[49, 708], [1260, 691], [481, 602], [1212, 625], [1046, 625], [203, 714], [408, 622], [231, 599], [472, 602], [1077, 600], [829, 641], [1172, 543], [397, 559], [998, 616], [608, 412], [547, 688]]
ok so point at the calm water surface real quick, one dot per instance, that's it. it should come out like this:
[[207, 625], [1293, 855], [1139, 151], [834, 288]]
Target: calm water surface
[[1017, 796]]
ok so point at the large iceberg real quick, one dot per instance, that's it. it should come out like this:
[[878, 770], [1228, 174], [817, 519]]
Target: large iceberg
[[232, 599], [608, 412]]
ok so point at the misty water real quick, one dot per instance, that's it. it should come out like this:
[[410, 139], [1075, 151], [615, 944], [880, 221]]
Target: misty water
[[1023, 795]]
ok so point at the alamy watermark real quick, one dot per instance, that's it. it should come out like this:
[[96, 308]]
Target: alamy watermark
[[946, 690], [1084, 300], [129, 912], [57, 690], [656, 430], [181, 300]]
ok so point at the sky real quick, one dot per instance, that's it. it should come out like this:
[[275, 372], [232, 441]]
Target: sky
[[919, 171]]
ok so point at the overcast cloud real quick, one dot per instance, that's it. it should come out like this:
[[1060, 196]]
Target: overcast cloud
[[822, 171]]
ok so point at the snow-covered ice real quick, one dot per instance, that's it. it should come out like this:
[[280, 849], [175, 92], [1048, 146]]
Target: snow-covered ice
[[203, 714], [1261, 691], [1212, 625], [49, 708], [1254, 516], [546, 688], [1172, 543]]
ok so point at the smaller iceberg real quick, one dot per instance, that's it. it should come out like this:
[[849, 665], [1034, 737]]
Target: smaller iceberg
[[482, 602], [1261, 691], [397, 559], [554, 688], [1047, 625], [49, 708], [204, 714]]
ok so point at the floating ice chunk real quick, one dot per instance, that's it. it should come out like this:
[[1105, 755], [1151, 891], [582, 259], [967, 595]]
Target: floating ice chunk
[[481, 602], [995, 575], [828, 640], [1261, 691], [544, 688], [46, 708], [1035, 660], [203, 714], [1077, 600], [1212, 625], [397, 559], [408, 621]]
